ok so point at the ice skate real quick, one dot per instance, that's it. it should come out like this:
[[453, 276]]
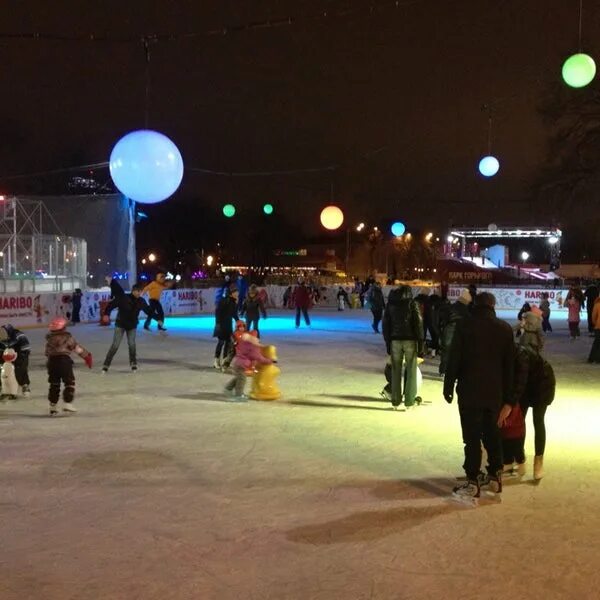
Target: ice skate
[[538, 467], [521, 469], [147, 327], [467, 493], [26, 391], [104, 370], [491, 485], [217, 364], [53, 410], [508, 470], [69, 408]]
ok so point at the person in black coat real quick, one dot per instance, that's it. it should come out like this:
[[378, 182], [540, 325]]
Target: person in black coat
[[591, 293], [225, 315], [128, 307], [481, 364], [534, 387], [17, 341], [450, 316], [404, 339], [377, 303], [76, 302]]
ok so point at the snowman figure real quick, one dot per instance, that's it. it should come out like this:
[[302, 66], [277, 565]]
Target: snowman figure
[[10, 387]]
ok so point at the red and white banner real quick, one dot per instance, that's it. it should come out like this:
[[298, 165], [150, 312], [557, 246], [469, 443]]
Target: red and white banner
[[514, 298]]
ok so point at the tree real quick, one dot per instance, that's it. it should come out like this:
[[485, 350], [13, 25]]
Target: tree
[[567, 189]]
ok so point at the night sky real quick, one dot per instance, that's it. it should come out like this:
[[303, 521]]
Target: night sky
[[393, 98]]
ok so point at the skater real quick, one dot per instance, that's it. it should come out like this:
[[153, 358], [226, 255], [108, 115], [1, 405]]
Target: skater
[[594, 356], [287, 296], [513, 443], [342, 299], [531, 328], [76, 304], [432, 310], [481, 364], [404, 340], [574, 318], [534, 387], [129, 307], [545, 308], [17, 341], [59, 346], [225, 314], [524, 309], [247, 354], [10, 387], [302, 299], [457, 312], [252, 308], [240, 329], [377, 304], [154, 290], [591, 294]]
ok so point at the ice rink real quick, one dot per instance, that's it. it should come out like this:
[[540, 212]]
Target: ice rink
[[160, 488]]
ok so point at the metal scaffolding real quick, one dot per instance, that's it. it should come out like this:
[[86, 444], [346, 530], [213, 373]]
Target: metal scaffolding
[[34, 251]]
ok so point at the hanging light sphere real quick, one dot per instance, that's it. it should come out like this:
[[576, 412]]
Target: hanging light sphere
[[489, 166], [146, 166], [398, 228], [229, 210], [268, 209], [579, 70], [332, 217]]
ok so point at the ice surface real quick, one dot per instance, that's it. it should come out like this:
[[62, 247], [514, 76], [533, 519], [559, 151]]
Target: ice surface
[[161, 489]]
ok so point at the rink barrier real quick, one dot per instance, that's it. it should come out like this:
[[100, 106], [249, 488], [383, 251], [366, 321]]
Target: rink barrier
[[27, 310]]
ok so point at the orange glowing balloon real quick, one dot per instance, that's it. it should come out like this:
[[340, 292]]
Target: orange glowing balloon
[[332, 217]]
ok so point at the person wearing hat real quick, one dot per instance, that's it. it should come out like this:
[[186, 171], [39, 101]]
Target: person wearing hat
[[458, 311], [16, 340]]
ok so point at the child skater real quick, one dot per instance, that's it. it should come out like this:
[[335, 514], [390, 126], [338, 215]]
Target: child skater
[[240, 330], [513, 443], [59, 346], [247, 354]]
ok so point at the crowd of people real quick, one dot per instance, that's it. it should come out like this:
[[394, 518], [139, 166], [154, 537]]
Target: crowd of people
[[477, 351]]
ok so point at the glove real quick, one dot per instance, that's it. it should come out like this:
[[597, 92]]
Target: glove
[[88, 361]]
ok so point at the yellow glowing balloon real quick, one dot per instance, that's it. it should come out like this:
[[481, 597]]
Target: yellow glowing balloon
[[332, 217]]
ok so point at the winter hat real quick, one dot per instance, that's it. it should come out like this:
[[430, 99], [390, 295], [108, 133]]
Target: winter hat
[[9, 355], [465, 297], [57, 324], [240, 325], [536, 311]]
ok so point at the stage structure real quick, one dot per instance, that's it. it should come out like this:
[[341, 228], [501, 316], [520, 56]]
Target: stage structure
[[35, 255], [496, 232]]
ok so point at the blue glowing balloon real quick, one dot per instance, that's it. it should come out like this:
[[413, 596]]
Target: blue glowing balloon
[[146, 166], [489, 166], [398, 228]]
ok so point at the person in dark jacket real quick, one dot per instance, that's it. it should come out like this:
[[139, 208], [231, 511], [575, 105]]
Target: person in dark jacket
[[377, 302], [76, 303], [434, 303], [302, 299], [449, 319], [252, 308], [129, 307], [17, 340], [225, 315], [287, 296], [481, 364], [591, 293], [534, 387], [404, 339]]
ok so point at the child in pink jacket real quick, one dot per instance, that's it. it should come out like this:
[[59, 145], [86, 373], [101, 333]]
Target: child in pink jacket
[[247, 353], [574, 306]]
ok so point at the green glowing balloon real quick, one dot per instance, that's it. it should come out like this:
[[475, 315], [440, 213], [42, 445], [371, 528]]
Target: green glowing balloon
[[229, 210], [268, 209], [579, 70]]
